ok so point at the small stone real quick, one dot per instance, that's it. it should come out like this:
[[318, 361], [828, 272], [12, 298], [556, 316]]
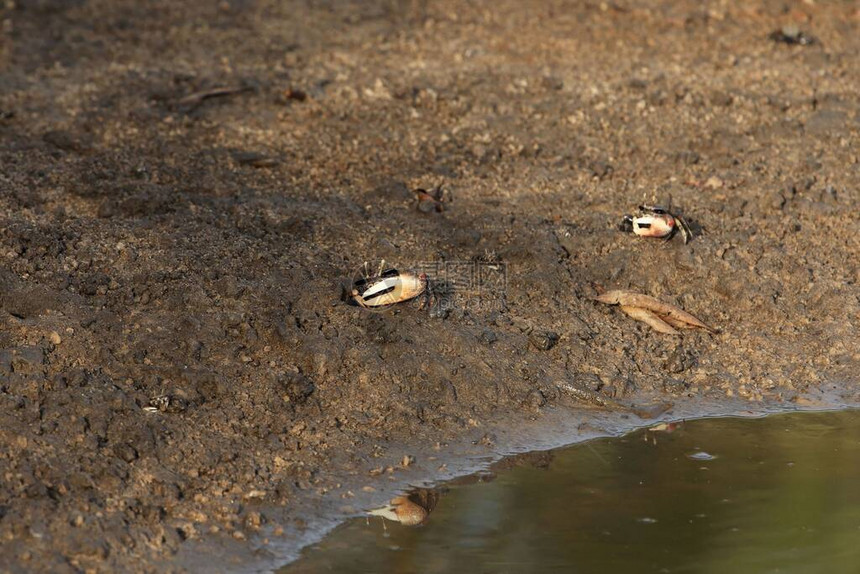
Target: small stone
[[297, 388], [407, 460], [714, 182], [176, 404], [535, 399], [488, 337], [253, 520], [55, 338], [675, 385], [679, 361], [774, 201], [126, 452], [589, 381], [543, 340], [488, 440]]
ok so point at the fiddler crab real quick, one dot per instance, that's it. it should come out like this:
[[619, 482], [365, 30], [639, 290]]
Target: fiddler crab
[[656, 221], [431, 200], [388, 286]]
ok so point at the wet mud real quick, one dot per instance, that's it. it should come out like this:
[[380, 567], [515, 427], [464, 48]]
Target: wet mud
[[187, 191]]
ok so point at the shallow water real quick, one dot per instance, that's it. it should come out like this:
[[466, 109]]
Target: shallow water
[[778, 494]]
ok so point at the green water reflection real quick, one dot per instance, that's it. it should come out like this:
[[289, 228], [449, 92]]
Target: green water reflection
[[782, 495]]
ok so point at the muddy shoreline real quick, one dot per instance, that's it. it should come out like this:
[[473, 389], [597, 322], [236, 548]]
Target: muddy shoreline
[[184, 191], [457, 462]]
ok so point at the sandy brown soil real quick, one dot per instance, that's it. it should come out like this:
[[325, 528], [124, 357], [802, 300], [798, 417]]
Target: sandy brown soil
[[186, 253]]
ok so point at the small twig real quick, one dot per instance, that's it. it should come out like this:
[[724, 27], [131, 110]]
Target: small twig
[[197, 98]]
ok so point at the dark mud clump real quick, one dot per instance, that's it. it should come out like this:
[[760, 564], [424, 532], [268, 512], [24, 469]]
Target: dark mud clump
[[184, 188]]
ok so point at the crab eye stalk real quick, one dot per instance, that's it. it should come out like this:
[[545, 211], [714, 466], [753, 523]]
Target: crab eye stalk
[[655, 209]]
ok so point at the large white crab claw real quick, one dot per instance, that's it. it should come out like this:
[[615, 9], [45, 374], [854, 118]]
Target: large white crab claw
[[388, 288]]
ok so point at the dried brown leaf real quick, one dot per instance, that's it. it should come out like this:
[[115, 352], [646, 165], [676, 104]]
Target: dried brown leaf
[[664, 310], [677, 323], [649, 318]]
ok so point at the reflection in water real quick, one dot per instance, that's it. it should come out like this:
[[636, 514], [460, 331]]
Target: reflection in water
[[780, 494], [409, 510]]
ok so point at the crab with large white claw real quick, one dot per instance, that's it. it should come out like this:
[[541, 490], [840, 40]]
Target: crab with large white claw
[[388, 288], [656, 221]]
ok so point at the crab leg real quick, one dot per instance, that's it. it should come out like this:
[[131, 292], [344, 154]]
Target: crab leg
[[685, 229]]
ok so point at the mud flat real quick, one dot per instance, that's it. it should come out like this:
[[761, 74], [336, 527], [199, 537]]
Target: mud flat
[[184, 189]]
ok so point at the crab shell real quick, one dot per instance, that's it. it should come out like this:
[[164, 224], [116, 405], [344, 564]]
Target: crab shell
[[391, 289], [654, 225]]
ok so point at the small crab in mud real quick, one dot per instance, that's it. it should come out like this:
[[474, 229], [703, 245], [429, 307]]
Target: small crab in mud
[[388, 287], [430, 200], [655, 221]]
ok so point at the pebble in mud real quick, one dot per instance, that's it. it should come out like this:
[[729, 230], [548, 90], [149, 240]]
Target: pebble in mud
[[297, 388], [535, 400], [488, 440], [488, 337], [680, 360], [589, 381], [675, 386], [543, 340], [618, 387]]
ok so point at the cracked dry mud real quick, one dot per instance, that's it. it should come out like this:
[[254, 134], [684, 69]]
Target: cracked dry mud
[[186, 253]]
